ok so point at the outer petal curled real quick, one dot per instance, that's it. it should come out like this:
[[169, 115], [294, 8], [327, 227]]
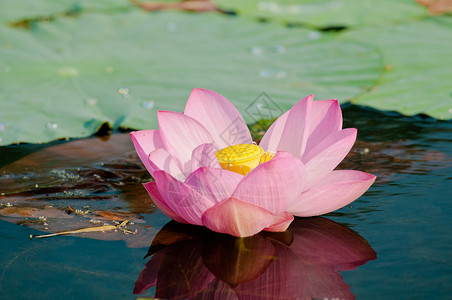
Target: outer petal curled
[[153, 191], [280, 222], [146, 141], [335, 191], [237, 218], [181, 198]]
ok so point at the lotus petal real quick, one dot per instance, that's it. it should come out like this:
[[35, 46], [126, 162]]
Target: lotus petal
[[181, 135], [291, 131], [160, 160], [280, 223], [237, 218], [146, 141], [325, 118], [272, 136], [182, 198], [327, 155], [338, 189], [274, 184], [153, 191], [219, 117], [204, 156], [215, 184]]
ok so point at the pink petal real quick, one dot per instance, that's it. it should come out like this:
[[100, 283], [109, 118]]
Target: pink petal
[[181, 135], [290, 131], [182, 198], [338, 189], [271, 138], [161, 160], [325, 118], [215, 184], [324, 157], [146, 141], [153, 191], [219, 117], [274, 184], [237, 218], [280, 223], [204, 156]]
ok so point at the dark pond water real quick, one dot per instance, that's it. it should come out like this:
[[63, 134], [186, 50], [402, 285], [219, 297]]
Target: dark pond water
[[392, 243]]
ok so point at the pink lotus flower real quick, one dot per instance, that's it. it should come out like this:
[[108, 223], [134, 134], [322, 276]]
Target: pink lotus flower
[[230, 185]]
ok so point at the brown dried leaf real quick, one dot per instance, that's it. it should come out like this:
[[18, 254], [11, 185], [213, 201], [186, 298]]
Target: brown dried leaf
[[33, 212], [112, 215]]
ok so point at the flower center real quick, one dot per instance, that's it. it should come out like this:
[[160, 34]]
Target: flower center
[[242, 158]]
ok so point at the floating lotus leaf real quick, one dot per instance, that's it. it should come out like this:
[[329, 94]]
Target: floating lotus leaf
[[18, 10], [65, 78], [418, 67]]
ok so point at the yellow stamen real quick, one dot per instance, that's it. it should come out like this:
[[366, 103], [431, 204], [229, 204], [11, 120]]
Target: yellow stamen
[[266, 156], [240, 158]]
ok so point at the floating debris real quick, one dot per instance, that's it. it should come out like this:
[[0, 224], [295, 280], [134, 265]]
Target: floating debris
[[364, 151], [102, 228]]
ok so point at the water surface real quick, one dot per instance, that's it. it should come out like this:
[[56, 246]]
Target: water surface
[[392, 243]]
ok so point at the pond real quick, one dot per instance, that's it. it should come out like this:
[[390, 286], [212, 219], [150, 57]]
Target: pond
[[392, 243]]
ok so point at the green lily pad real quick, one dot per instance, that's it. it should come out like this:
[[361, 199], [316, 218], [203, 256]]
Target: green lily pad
[[18, 10], [418, 67], [327, 13], [67, 77]]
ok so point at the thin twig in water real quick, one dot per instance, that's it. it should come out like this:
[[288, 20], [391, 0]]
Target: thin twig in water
[[88, 229]]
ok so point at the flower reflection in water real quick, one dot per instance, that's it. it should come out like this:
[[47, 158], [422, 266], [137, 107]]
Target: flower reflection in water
[[301, 263]]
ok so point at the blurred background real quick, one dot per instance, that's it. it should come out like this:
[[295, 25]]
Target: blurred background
[[69, 66]]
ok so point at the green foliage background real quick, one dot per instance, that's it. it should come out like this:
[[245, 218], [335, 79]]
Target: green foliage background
[[67, 67]]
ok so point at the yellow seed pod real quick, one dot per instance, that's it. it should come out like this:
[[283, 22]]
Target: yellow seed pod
[[240, 158]]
